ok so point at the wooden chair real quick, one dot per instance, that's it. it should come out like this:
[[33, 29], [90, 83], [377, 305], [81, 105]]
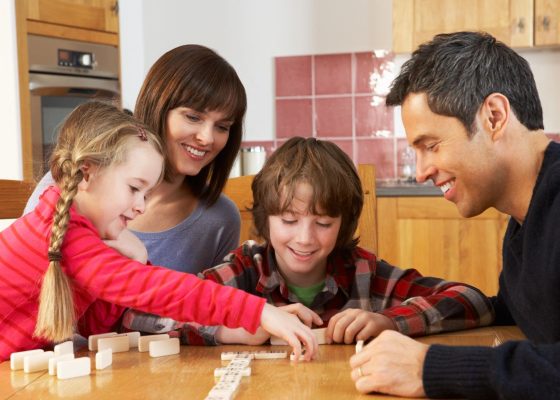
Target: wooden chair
[[13, 197], [239, 191]]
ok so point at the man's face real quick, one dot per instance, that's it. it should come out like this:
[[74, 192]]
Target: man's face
[[465, 168]]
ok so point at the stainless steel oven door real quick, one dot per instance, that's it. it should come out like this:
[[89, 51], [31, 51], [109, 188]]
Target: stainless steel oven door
[[53, 97]]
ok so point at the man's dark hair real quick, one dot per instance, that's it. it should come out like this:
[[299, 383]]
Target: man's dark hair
[[457, 71]]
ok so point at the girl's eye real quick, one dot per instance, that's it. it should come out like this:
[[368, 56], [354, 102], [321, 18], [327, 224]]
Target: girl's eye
[[133, 189], [224, 128], [288, 221], [324, 224]]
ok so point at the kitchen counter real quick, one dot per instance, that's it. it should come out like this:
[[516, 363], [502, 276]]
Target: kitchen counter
[[400, 188]]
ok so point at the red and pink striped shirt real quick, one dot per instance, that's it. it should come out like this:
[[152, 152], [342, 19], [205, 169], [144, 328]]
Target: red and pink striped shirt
[[104, 283]]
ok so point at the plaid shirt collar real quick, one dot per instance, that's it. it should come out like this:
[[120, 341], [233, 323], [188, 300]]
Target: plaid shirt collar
[[340, 275]]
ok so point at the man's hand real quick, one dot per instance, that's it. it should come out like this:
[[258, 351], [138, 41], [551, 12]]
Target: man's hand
[[391, 364]]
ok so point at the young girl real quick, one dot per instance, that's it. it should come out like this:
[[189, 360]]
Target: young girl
[[195, 102], [57, 273], [307, 202]]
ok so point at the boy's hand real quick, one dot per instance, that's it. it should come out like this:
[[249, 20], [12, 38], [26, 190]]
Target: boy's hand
[[306, 315], [355, 324], [129, 246], [227, 335], [288, 327], [392, 364]]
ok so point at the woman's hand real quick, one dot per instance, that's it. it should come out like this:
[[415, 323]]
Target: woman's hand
[[129, 246], [355, 324], [288, 327]]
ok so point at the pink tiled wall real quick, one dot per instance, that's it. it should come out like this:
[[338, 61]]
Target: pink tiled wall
[[331, 97]]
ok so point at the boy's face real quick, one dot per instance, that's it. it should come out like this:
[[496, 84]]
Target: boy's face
[[302, 241], [467, 169], [112, 196]]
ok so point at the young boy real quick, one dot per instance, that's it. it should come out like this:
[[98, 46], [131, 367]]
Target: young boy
[[307, 201]]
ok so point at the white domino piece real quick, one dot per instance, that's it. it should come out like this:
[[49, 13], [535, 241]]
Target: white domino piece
[[167, 347], [64, 348], [16, 359], [230, 355], [320, 335], [103, 358], [144, 341], [37, 362], [240, 362], [301, 357], [359, 345], [133, 338], [117, 343], [73, 368], [230, 377], [270, 354], [92, 339], [243, 371], [53, 362], [224, 389]]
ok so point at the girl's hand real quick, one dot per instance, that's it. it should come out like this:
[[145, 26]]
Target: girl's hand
[[355, 324], [306, 315], [129, 246], [227, 335], [288, 327]]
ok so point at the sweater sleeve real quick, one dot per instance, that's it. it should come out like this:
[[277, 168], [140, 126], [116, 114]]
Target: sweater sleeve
[[107, 275], [421, 305], [514, 370]]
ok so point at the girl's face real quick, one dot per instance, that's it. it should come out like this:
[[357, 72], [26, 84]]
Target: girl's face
[[195, 138], [302, 241], [110, 197]]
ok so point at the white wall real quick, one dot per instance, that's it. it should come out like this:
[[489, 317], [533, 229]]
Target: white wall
[[249, 34], [10, 132]]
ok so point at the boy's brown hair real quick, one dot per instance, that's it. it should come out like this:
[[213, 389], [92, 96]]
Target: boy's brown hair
[[337, 190]]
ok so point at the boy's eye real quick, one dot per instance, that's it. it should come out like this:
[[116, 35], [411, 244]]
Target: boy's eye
[[324, 224], [288, 221], [432, 146]]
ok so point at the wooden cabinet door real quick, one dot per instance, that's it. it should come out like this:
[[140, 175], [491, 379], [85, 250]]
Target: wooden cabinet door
[[99, 15], [547, 22], [418, 21], [427, 233]]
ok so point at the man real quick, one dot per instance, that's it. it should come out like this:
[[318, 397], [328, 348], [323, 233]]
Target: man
[[473, 115]]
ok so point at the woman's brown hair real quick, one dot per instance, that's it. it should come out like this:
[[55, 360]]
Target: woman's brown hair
[[196, 77], [100, 134], [337, 189]]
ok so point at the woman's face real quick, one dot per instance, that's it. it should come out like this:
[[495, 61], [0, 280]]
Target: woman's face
[[195, 138]]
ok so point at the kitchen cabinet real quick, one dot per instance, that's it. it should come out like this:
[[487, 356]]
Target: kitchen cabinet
[[518, 23], [427, 233]]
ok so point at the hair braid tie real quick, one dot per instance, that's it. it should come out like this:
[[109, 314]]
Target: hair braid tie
[[55, 256]]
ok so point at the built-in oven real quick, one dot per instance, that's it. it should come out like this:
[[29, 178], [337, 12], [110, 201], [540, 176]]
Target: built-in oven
[[63, 74]]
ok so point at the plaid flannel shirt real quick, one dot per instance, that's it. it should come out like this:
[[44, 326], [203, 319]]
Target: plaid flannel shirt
[[417, 305]]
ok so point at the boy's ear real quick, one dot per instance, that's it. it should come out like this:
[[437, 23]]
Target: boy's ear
[[495, 114]]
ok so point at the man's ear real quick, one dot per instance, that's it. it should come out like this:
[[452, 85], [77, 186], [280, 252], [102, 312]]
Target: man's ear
[[494, 113]]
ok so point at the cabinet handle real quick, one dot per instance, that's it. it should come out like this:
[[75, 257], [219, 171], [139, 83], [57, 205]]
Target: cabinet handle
[[519, 25], [546, 22], [115, 7]]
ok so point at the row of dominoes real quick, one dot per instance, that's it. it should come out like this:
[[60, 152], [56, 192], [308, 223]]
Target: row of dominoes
[[229, 378], [62, 363]]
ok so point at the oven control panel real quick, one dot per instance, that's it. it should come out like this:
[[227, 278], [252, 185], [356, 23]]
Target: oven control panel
[[72, 58]]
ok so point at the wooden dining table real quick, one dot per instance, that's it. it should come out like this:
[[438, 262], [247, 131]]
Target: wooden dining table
[[190, 374]]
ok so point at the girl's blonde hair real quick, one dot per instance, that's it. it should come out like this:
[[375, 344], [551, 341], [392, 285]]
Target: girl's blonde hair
[[99, 134]]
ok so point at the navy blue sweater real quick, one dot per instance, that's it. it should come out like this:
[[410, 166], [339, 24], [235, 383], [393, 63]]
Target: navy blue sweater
[[529, 296]]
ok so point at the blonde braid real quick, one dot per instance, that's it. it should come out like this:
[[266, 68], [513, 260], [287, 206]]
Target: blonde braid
[[56, 316]]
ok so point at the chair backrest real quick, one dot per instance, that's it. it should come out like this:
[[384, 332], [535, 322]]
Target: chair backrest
[[13, 197], [239, 191]]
